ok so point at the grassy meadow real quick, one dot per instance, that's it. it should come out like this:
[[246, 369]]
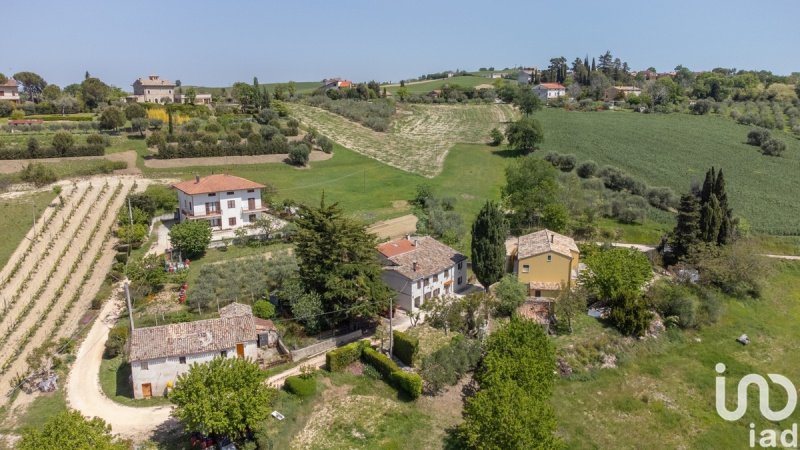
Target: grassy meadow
[[423, 87], [17, 219]]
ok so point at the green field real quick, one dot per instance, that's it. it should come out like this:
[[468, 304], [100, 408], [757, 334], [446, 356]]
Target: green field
[[303, 87], [17, 219], [674, 149], [423, 87], [662, 393]]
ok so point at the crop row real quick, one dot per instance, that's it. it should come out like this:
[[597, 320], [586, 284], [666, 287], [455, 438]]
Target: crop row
[[20, 346]]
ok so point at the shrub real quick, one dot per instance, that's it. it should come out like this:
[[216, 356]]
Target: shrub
[[661, 198], [263, 309], [564, 163], [337, 360], [301, 387], [674, 303], [702, 106], [380, 361], [17, 114], [510, 294], [95, 139], [156, 139], [587, 169], [63, 141], [773, 147], [448, 364], [38, 174], [6, 108], [497, 137], [213, 128], [630, 315], [757, 136], [133, 234], [298, 154], [325, 144], [410, 383], [405, 347], [117, 338]]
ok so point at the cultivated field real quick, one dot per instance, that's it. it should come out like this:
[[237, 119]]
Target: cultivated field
[[53, 275], [423, 87], [420, 135]]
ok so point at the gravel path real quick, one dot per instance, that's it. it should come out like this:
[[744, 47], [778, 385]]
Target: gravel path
[[84, 392], [393, 228], [129, 157], [315, 155]]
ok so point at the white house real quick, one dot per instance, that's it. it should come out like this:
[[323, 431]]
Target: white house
[[549, 91], [9, 91], [527, 75], [419, 268], [158, 355], [225, 201]]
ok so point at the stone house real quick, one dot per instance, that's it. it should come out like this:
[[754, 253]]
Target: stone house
[[9, 91]]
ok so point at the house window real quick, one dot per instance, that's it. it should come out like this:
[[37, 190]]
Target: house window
[[446, 274], [460, 280], [216, 222], [223, 353], [427, 281], [549, 258], [537, 293], [459, 266], [182, 360], [213, 194], [416, 302], [229, 193], [526, 268], [251, 190], [435, 278], [251, 218], [436, 293], [144, 366], [231, 204], [419, 284], [212, 207], [232, 221]]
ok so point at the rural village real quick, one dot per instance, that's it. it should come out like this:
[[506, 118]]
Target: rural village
[[551, 255]]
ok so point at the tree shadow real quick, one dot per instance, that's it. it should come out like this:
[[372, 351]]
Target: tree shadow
[[509, 153], [453, 440], [124, 388]]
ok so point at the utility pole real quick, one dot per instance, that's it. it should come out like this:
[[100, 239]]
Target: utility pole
[[391, 332], [128, 297]]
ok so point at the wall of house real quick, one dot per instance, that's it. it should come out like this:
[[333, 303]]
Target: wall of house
[[153, 94], [557, 270], [440, 284], [9, 93], [196, 205], [401, 287], [161, 371]]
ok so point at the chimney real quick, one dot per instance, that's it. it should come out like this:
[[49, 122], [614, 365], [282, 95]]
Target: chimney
[[197, 178], [414, 266], [552, 236]]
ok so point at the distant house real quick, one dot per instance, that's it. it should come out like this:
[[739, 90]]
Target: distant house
[[527, 75], [9, 91], [549, 91], [158, 355], [152, 89], [199, 99], [615, 92], [336, 83], [545, 261], [225, 201], [420, 268], [495, 75], [436, 93]]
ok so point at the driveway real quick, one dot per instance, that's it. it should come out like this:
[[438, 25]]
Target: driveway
[[85, 395]]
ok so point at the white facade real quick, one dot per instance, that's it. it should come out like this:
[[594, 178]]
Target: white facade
[[151, 377], [546, 91], [224, 210], [411, 294], [9, 91]]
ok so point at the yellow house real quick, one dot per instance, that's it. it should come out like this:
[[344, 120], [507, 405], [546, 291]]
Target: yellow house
[[545, 260]]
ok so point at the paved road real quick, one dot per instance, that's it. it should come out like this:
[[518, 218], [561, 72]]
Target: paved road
[[85, 395]]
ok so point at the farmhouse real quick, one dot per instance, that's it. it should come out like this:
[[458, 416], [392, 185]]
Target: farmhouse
[[545, 261], [549, 91], [199, 99], [420, 268], [152, 89], [527, 75], [336, 83], [225, 201], [9, 91], [617, 92], [158, 355]]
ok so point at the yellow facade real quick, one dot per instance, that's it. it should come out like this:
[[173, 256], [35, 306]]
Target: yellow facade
[[548, 267]]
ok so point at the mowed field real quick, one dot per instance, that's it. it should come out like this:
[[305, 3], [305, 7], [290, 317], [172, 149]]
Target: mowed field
[[420, 135], [674, 149], [423, 87]]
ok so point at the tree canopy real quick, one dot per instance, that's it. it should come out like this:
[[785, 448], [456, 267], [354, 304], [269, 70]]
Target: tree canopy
[[615, 271], [488, 244], [225, 396], [531, 185], [32, 84], [525, 134], [191, 237], [70, 430], [93, 92]]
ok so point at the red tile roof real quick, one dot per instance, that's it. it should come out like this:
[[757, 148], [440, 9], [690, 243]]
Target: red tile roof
[[216, 183], [552, 86], [396, 247]]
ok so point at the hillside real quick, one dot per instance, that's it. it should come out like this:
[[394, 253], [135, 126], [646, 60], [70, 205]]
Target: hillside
[[423, 87], [674, 149], [303, 87]]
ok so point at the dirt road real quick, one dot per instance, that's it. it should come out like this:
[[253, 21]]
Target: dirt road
[[84, 392], [129, 157], [394, 228]]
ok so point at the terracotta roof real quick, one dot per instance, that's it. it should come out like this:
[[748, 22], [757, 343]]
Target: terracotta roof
[[396, 247], [216, 183], [430, 255], [188, 338], [551, 86], [544, 241], [537, 311], [235, 309], [263, 325], [9, 83], [154, 81]]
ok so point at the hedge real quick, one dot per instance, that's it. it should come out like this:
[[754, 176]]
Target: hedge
[[410, 383], [380, 361], [405, 347], [51, 152], [337, 360], [202, 149], [302, 387], [65, 118]]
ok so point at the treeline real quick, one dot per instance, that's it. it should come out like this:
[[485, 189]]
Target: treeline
[[63, 145]]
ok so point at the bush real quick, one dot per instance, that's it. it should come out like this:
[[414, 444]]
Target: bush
[[701, 107], [617, 180], [38, 174], [298, 154], [191, 238], [263, 309], [405, 347], [337, 360], [630, 315], [510, 294], [301, 387], [758, 136], [117, 338], [447, 365], [380, 361], [6, 108], [587, 169], [410, 383], [95, 139], [773, 147], [675, 303], [564, 163], [497, 137], [661, 198], [325, 144], [63, 141]]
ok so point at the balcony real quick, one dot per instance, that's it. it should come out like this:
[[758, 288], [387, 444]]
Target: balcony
[[191, 216]]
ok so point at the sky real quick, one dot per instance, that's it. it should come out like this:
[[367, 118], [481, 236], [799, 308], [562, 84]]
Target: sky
[[215, 43]]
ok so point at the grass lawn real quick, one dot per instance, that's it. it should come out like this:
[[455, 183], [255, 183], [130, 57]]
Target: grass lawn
[[662, 394], [674, 149], [17, 219], [215, 255], [114, 380], [43, 408], [649, 233], [423, 87]]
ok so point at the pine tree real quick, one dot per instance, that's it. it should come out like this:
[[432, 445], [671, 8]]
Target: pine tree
[[488, 245], [687, 231]]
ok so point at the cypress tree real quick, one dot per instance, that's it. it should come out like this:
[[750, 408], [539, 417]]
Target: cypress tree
[[586, 64], [488, 245], [708, 187], [719, 191], [726, 225], [710, 220], [687, 231], [594, 66]]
